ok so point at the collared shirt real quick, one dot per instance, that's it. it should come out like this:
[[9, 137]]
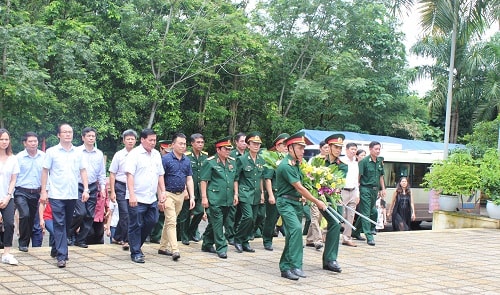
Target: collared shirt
[[288, 172], [30, 173], [249, 175], [118, 165], [370, 171], [196, 163], [176, 171], [96, 169], [64, 170], [7, 169], [220, 178], [146, 168], [352, 175]]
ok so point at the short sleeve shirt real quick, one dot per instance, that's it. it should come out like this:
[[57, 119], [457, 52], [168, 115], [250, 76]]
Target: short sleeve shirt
[[145, 168], [7, 169], [176, 171], [249, 175], [117, 165], [30, 169], [196, 163], [288, 172], [370, 171]]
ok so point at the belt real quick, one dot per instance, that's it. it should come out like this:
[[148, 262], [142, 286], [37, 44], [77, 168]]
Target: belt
[[120, 182], [29, 190], [348, 189], [176, 193], [290, 197], [375, 188]]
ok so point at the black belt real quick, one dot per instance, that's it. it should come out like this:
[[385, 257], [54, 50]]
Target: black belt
[[29, 190], [176, 193], [120, 182], [348, 189], [290, 197]]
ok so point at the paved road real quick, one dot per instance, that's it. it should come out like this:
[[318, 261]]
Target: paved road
[[463, 261]]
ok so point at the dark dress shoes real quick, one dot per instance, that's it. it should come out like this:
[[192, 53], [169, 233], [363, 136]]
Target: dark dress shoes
[[298, 272], [332, 266], [209, 250], [138, 259], [371, 243], [248, 249], [269, 248], [222, 255], [359, 238], [82, 245], [231, 242], [185, 242], [288, 274], [196, 239], [176, 256], [239, 247], [23, 248], [165, 252], [61, 263]]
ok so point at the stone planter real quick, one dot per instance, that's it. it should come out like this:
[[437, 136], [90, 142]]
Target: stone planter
[[448, 203], [493, 210]]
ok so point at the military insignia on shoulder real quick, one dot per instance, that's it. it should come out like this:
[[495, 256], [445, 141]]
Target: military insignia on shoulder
[[204, 153], [291, 162], [187, 153], [210, 158], [231, 158]]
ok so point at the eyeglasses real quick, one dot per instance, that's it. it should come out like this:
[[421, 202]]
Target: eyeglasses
[[66, 132]]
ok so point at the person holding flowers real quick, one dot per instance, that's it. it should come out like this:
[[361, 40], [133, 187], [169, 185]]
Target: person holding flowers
[[290, 190]]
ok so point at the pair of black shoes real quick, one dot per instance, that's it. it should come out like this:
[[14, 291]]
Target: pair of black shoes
[[293, 274], [138, 259], [240, 248], [332, 266]]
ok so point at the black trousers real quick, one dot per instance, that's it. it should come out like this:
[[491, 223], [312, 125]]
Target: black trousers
[[27, 206], [83, 217], [121, 233]]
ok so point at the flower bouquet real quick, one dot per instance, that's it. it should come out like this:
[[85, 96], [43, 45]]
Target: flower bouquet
[[272, 159], [324, 183]]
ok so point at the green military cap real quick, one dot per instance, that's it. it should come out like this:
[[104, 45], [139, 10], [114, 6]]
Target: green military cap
[[224, 142], [298, 138], [253, 136], [335, 139], [280, 138]]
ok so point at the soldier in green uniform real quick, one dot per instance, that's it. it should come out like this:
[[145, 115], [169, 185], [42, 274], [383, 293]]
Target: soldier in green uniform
[[270, 185], [218, 195], [289, 205], [249, 183], [233, 218], [165, 147], [371, 183], [188, 220]]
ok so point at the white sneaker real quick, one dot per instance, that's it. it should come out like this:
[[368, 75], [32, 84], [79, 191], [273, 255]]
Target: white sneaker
[[9, 259]]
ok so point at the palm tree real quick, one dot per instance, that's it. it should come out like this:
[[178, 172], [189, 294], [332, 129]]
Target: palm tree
[[460, 19]]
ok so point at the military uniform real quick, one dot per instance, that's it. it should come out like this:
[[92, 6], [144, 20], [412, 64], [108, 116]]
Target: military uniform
[[369, 186], [249, 175], [233, 217], [188, 226], [220, 194]]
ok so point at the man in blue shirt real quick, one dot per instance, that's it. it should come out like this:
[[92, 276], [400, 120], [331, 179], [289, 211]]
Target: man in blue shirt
[[62, 166], [28, 184], [178, 177]]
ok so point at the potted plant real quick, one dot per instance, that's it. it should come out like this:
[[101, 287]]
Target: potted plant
[[454, 177], [490, 181]]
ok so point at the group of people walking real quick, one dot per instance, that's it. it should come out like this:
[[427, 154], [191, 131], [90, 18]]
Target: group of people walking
[[234, 189]]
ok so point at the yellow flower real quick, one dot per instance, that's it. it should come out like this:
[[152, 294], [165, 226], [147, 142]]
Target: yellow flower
[[318, 185]]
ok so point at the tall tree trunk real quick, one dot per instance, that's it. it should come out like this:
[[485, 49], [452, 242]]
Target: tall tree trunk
[[202, 107]]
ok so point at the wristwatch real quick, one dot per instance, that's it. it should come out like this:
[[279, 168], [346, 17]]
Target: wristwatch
[[87, 191]]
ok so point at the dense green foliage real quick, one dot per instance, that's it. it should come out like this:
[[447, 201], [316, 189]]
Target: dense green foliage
[[213, 67]]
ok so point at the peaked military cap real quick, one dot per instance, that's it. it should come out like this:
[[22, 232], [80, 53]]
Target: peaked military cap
[[166, 143], [224, 142], [335, 139], [280, 138], [253, 136], [298, 138]]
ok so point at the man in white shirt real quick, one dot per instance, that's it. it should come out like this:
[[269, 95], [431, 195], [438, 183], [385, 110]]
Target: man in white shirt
[[350, 192], [144, 172]]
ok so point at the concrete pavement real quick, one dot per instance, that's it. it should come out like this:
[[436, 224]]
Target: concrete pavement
[[465, 261]]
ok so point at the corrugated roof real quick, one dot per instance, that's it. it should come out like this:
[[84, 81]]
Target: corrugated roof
[[315, 136]]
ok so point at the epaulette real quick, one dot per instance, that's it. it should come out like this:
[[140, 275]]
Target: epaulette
[[204, 153], [210, 158], [188, 153], [291, 162], [231, 158]]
